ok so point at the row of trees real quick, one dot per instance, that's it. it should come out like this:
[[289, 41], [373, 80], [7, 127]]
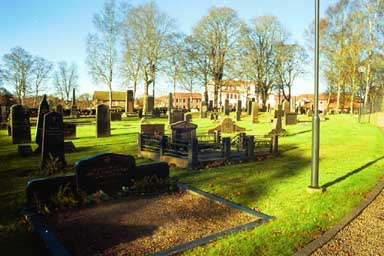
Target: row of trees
[[352, 49], [31, 75], [139, 43]]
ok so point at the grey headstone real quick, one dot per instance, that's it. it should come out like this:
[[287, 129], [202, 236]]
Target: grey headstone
[[115, 116], [226, 107], [103, 121], [183, 132], [129, 104], [43, 109], [188, 117], [20, 127], [177, 115], [255, 112], [53, 139]]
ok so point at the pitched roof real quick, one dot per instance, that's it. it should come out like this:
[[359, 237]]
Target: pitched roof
[[194, 95], [104, 95]]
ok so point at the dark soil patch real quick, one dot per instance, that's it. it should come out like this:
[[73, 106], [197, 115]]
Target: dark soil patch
[[140, 226]]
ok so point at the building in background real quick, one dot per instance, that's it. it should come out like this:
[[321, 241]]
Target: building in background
[[102, 97], [235, 90], [181, 100], [305, 101]]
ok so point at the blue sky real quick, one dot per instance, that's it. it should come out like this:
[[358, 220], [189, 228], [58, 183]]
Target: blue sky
[[56, 29]]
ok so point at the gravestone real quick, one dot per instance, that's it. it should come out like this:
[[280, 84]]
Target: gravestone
[[170, 103], [74, 110], [183, 132], [227, 125], [20, 127], [177, 115], [279, 113], [203, 109], [140, 113], [103, 121], [129, 103], [151, 104], [115, 116], [188, 117], [286, 106], [153, 130], [69, 147], [249, 107], [210, 107], [309, 112], [43, 109], [212, 116], [255, 112], [3, 118], [53, 140], [226, 107], [290, 118], [59, 109], [108, 172], [69, 131], [24, 150], [238, 110]]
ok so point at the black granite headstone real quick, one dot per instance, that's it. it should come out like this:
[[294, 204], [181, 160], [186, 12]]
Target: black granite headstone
[[103, 121], [43, 109], [20, 126], [24, 150], [107, 172], [53, 139]]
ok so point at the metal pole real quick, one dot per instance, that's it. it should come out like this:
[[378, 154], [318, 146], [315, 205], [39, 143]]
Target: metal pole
[[316, 118]]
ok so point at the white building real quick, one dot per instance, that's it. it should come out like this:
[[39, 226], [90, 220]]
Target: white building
[[235, 90]]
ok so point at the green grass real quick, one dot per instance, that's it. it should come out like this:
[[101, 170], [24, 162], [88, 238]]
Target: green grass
[[276, 186]]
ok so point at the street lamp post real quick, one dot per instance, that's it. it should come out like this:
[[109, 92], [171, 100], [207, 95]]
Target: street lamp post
[[315, 118]]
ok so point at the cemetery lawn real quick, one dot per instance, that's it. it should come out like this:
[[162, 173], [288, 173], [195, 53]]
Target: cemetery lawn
[[351, 164]]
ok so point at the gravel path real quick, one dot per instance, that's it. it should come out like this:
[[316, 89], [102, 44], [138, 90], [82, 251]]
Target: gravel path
[[363, 236]]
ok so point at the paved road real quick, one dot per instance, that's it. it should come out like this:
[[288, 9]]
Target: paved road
[[363, 236]]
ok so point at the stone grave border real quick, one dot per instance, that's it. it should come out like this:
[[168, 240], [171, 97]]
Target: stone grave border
[[56, 248]]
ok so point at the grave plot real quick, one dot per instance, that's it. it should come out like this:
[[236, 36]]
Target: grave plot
[[112, 206], [142, 226], [186, 150]]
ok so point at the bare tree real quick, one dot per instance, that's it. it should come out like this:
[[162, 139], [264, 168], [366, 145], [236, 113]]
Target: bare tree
[[174, 69], [40, 74], [260, 47], [65, 79], [290, 62], [152, 31], [196, 60], [17, 70], [131, 65], [218, 34], [102, 45]]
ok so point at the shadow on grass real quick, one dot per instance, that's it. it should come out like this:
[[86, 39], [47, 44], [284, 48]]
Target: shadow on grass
[[293, 134], [328, 184], [245, 183]]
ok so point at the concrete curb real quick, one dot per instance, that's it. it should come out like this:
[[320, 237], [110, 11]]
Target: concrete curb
[[315, 244]]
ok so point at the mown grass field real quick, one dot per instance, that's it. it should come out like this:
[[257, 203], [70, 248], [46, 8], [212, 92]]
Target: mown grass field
[[351, 163]]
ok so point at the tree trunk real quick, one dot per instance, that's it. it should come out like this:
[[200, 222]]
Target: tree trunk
[[216, 95], [338, 98], [134, 91], [145, 100], [110, 97], [352, 100]]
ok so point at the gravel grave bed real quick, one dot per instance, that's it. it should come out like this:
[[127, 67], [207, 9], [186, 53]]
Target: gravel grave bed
[[363, 236], [143, 225]]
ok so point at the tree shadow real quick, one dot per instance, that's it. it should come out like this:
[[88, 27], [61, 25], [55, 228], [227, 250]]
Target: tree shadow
[[293, 134], [328, 184], [246, 182]]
